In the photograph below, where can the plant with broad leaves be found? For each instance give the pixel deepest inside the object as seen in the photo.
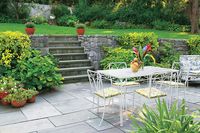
(163, 119)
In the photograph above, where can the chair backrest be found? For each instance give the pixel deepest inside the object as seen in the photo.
(96, 83)
(189, 63)
(95, 80)
(117, 65)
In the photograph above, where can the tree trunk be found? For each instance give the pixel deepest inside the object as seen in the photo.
(194, 15)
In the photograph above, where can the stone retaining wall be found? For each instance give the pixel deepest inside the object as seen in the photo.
(93, 45)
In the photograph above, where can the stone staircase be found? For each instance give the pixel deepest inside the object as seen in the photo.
(73, 62)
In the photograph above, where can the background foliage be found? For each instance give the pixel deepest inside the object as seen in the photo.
(194, 45)
(138, 39)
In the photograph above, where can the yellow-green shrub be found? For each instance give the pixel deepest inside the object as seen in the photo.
(194, 45)
(138, 39)
(117, 55)
(14, 46)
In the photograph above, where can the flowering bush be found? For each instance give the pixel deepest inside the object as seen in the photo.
(14, 46)
(138, 39)
(116, 55)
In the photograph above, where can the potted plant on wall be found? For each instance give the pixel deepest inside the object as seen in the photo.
(80, 29)
(30, 28)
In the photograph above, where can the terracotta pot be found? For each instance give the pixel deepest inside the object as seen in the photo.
(18, 104)
(5, 103)
(32, 100)
(30, 31)
(3, 94)
(80, 31)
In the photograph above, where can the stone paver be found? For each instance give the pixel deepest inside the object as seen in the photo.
(57, 96)
(5, 109)
(12, 117)
(77, 128)
(28, 126)
(112, 130)
(95, 124)
(73, 105)
(70, 110)
(72, 118)
(40, 109)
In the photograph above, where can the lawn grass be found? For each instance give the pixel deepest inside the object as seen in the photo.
(52, 29)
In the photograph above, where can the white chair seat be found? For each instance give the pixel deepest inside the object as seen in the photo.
(171, 83)
(150, 92)
(107, 92)
(129, 83)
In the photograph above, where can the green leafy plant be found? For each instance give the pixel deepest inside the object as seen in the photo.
(30, 93)
(165, 120)
(166, 55)
(138, 39)
(80, 26)
(60, 10)
(19, 95)
(30, 25)
(101, 24)
(116, 55)
(67, 20)
(38, 72)
(8, 98)
(194, 45)
(38, 19)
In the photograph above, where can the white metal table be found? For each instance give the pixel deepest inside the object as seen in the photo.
(127, 73)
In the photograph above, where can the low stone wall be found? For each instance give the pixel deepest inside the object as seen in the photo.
(39, 42)
(179, 44)
(93, 45)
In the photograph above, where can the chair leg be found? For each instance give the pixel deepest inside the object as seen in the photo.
(98, 104)
(133, 101)
(104, 109)
(121, 110)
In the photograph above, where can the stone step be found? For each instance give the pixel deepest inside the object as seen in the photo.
(63, 44)
(59, 50)
(74, 79)
(74, 63)
(62, 38)
(71, 56)
(74, 71)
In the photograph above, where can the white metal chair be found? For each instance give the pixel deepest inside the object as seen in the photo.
(151, 92)
(98, 90)
(125, 83)
(173, 81)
